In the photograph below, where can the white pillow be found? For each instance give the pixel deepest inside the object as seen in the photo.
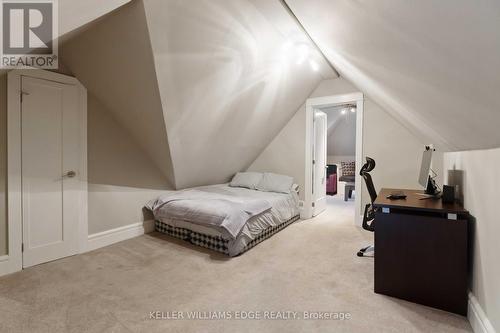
(272, 182)
(246, 179)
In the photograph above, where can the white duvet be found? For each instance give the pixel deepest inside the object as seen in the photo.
(283, 208)
(208, 208)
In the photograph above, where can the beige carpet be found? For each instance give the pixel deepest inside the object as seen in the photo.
(310, 266)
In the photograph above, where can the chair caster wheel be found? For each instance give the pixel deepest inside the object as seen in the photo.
(361, 254)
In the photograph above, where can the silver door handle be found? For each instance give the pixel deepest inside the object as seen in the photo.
(70, 174)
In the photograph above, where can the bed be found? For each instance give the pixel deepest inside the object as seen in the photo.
(255, 216)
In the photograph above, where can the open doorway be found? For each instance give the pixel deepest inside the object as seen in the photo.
(341, 154)
(334, 136)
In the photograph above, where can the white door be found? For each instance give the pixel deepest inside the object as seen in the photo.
(319, 169)
(50, 175)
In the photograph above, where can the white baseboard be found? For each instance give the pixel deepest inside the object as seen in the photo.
(8, 265)
(105, 238)
(305, 213)
(4, 265)
(477, 318)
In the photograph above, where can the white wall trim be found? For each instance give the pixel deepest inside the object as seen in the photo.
(6, 266)
(108, 237)
(14, 218)
(477, 317)
(14, 261)
(83, 229)
(329, 101)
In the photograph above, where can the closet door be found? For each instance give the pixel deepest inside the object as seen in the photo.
(50, 200)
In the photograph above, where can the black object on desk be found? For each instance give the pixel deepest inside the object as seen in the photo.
(448, 194)
(398, 195)
(421, 251)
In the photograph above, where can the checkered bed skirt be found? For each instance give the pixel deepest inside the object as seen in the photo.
(217, 243)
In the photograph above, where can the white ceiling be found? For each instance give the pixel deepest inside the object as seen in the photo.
(75, 13)
(434, 65)
(229, 81)
(335, 116)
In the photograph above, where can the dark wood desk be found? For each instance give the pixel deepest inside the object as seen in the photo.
(421, 251)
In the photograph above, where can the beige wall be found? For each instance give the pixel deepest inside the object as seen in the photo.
(396, 151)
(479, 184)
(114, 157)
(128, 152)
(3, 163)
(122, 177)
(117, 206)
(286, 153)
(82, 13)
(114, 61)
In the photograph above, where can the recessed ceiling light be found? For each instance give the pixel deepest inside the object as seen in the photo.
(343, 111)
(353, 110)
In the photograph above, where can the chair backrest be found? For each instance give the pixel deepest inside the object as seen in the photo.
(365, 173)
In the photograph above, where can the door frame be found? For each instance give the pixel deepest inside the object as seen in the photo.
(314, 200)
(329, 101)
(14, 261)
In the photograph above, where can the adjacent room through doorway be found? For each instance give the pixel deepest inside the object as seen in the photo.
(335, 155)
(341, 154)
(334, 135)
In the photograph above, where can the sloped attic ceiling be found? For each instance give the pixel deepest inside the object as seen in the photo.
(113, 59)
(230, 77)
(341, 132)
(334, 116)
(75, 13)
(435, 65)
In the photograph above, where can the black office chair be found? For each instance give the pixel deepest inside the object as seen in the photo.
(369, 214)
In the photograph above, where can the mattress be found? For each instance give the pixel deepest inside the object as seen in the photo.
(232, 248)
(284, 211)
